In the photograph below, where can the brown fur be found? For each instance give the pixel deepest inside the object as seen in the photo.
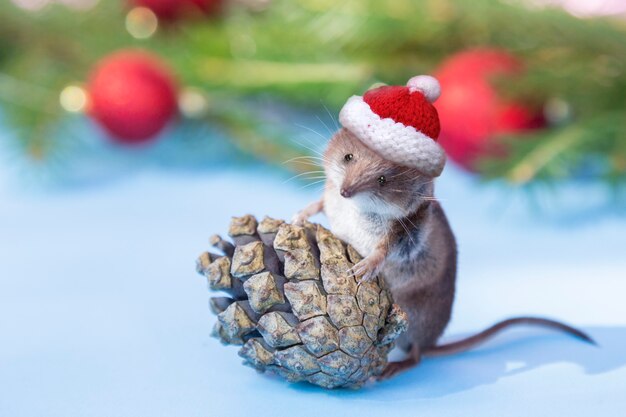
(424, 284)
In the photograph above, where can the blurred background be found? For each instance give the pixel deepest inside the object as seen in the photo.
(534, 91)
(131, 130)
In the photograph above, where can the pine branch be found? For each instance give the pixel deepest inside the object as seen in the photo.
(595, 148)
(253, 136)
(306, 51)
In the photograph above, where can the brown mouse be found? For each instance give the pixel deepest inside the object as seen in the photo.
(385, 208)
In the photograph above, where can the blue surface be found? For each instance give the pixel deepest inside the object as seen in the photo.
(102, 313)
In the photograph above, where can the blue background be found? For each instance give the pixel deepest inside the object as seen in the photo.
(102, 313)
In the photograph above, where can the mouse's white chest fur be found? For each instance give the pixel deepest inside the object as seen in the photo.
(349, 222)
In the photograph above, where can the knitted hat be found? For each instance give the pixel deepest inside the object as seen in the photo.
(399, 123)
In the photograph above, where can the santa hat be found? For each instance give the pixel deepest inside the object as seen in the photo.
(399, 123)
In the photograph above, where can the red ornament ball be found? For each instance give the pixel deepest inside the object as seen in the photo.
(471, 111)
(170, 10)
(132, 95)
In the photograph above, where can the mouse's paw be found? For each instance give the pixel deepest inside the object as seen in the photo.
(299, 218)
(392, 369)
(368, 268)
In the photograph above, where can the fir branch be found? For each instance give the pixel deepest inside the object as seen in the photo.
(304, 51)
(595, 148)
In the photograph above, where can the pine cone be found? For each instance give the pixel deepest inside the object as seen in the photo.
(295, 308)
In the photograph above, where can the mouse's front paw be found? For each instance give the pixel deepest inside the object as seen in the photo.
(368, 268)
(299, 218)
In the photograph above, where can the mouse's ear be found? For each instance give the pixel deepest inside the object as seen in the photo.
(427, 85)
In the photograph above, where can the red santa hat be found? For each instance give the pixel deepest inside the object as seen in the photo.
(399, 123)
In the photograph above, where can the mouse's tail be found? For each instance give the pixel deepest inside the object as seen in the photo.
(477, 339)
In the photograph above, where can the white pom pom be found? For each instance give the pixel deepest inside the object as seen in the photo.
(426, 84)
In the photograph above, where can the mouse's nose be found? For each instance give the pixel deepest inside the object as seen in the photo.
(345, 192)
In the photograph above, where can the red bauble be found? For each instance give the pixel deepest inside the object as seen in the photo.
(471, 111)
(132, 95)
(171, 10)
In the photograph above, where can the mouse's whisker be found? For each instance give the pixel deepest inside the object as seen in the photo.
(309, 149)
(400, 219)
(314, 179)
(427, 197)
(319, 189)
(401, 210)
(303, 174)
(309, 163)
(311, 146)
(401, 173)
(425, 182)
(306, 158)
(318, 171)
(408, 233)
(313, 183)
(337, 127)
(411, 222)
(313, 131)
(330, 132)
(423, 196)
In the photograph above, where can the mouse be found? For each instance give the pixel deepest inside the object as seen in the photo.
(380, 168)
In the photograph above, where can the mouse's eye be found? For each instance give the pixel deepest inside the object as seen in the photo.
(382, 180)
(348, 157)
